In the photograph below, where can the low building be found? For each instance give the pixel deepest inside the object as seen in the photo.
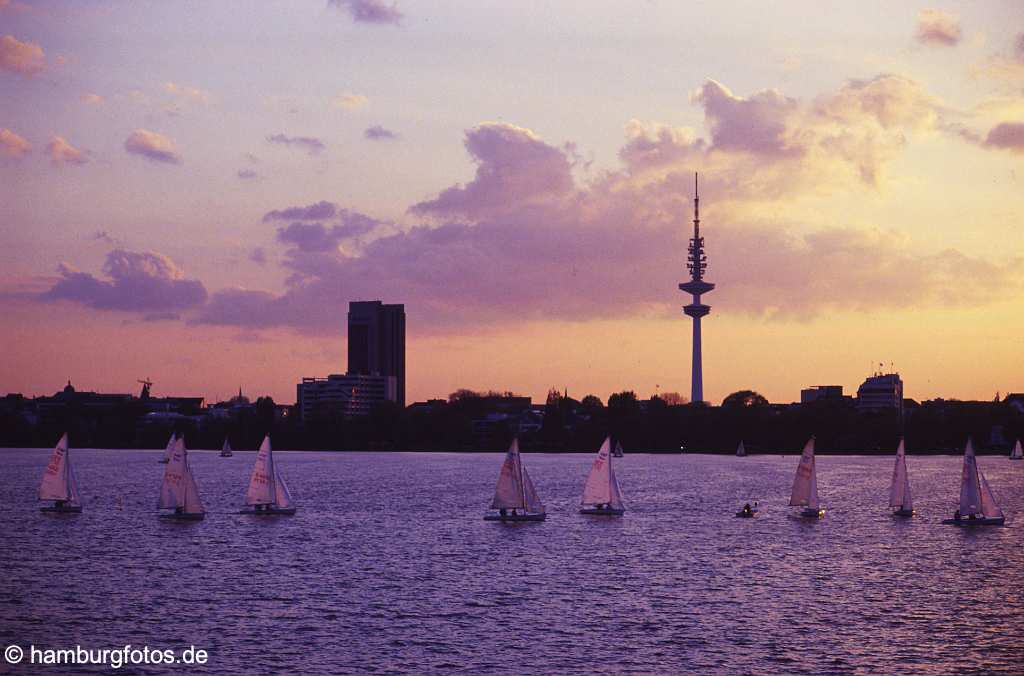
(822, 393)
(347, 395)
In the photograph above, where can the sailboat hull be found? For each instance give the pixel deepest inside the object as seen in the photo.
(510, 518)
(185, 516)
(226, 455)
(273, 511)
(903, 512)
(970, 523)
(163, 461)
(808, 513)
(594, 511)
(63, 509)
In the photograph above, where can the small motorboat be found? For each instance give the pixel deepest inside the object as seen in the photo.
(748, 512)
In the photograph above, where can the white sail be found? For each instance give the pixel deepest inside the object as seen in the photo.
(1018, 452)
(597, 490)
(989, 508)
(226, 448)
(531, 501)
(508, 494)
(262, 489)
(192, 504)
(58, 477)
(899, 492)
(970, 486)
(618, 452)
(172, 490)
(740, 451)
(805, 484)
(282, 496)
(616, 499)
(170, 446)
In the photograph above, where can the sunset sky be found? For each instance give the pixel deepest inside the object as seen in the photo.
(193, 192)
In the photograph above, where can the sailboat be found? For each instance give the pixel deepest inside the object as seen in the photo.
(179, 491)
(170, 448)
(515, 491)
(59, 482)
(601, 494)
(740, 451)
(977, 504)
(225, 451)
(268, 494)
(618, 452)
(900, 501)
(1018, 452)
(805, 485)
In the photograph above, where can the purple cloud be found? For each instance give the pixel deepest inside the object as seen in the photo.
(935, 27)
(258, 255)
(369, 11)
(320, 211)
(1007, 136)
(136, 282)
(757, 124)
(379, 133)
(313, 146)
(152, 146)
(514, 167)
(318, 237)
(247, 175)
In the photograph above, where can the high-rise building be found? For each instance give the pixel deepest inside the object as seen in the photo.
(696, 263)
(880, 392)
(376, 342)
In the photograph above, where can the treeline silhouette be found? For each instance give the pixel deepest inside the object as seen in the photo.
(474, 421)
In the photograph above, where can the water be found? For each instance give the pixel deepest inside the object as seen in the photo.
(388, 567)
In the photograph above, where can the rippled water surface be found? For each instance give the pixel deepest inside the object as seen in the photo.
(389, 567)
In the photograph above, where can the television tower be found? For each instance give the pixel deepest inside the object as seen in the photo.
(696, 263)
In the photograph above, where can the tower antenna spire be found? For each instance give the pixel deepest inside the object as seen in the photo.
(696, 263)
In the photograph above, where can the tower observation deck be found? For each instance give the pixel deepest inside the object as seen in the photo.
(696, 263)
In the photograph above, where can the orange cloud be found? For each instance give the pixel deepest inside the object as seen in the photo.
(24, 58)
(61, 152)
(13, 145)
(935, 27)
(152, 146)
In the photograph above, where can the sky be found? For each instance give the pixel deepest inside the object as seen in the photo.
(193, 192)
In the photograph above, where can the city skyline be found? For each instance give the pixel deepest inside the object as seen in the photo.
(187, 209)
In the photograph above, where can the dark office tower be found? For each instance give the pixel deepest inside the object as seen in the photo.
(376, 342)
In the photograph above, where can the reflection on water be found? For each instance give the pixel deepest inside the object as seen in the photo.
(388, 565)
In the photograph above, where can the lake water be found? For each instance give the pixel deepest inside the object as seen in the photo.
(388, 567)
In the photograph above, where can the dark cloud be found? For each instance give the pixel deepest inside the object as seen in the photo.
(758, 124)
(135, 282)
(379, 133)
(1007, 136)
(313, 146)
(258, 255)
(935, 27)
(103, 236)
(320, 211)
(369, 11)
(247, 175)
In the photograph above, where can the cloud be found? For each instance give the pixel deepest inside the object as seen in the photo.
(186, 92)
(103, 236)
(247, 175)
(379, 133)
(23, 58)
(1007, 136)
(514, 168)
(13, 145)
(92, 99)
(135, 282)
(350, 101)
(935, 27)
(312, 145)
(258, 255)
(152, 146)
(319, 237)
(320, 211)
(61, 152)
(369, 11)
